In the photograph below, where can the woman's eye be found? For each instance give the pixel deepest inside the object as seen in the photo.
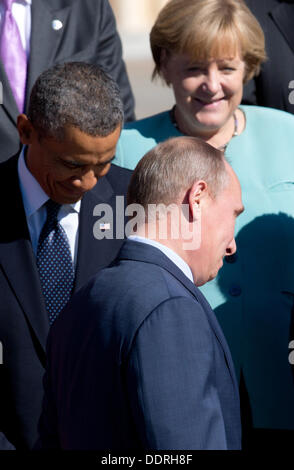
(195, 68)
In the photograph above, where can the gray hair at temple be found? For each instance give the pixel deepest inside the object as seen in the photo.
(172, 167)
(75, 94)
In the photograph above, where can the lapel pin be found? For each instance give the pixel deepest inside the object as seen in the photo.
(104, 226)
(56, 25)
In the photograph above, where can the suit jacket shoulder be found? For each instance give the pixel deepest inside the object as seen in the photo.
(119, 178)
(88, 33)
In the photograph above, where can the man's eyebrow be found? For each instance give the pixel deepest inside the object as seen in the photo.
(77, 163)
(107, 161)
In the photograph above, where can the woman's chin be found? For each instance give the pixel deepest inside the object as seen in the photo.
(208, 122)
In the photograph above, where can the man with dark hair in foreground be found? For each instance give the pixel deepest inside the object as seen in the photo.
(47, 245)
(137, 360)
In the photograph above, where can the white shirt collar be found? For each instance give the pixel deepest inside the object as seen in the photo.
(33, 194)
(172, 255)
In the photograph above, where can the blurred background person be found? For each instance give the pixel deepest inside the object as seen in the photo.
(206, 50)
(37, 34)
(274, 85)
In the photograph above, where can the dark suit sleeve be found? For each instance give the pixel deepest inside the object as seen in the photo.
(5, 444)
(109, 55)
(171, 380)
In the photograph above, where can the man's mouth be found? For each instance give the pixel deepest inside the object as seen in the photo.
(72, 191)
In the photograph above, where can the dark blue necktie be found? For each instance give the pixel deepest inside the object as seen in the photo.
(54, 263)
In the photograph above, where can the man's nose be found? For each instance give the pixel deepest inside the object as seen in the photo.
(231, 248)
(86, 181)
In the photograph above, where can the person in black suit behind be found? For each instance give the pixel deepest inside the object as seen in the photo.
(274, 86)
(69, 136)
(63, 31)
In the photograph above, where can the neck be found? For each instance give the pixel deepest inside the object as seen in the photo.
(217, 137)
(182, 242)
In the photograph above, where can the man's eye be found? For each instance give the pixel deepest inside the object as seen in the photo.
(72, 165)
(102, 165)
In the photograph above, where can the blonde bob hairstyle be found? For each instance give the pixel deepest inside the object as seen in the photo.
(205, 29)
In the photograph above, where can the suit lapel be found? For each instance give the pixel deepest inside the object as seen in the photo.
(282, 16)
(17, 258)
(146, 253)
(93, 254)
(43, 33)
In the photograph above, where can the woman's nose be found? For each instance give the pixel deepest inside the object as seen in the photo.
(211, 83)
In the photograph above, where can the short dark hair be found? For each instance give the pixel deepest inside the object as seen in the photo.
(75, 94)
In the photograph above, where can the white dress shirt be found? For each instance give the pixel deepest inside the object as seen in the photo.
(172, 255)
(34, 199)
(21, 12)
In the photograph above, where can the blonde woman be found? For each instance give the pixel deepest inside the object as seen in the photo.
(206, 50)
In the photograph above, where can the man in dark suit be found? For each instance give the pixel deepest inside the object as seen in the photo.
(63, 31)
(137, 360)
(274, 86)
(69, 136)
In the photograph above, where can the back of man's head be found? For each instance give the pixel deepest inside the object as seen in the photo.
(191, 198)
(75, 94)
(172, 167)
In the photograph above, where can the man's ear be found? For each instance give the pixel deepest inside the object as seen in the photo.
(197, 194)
(25, 129)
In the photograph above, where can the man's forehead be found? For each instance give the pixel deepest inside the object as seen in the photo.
(72, 138)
